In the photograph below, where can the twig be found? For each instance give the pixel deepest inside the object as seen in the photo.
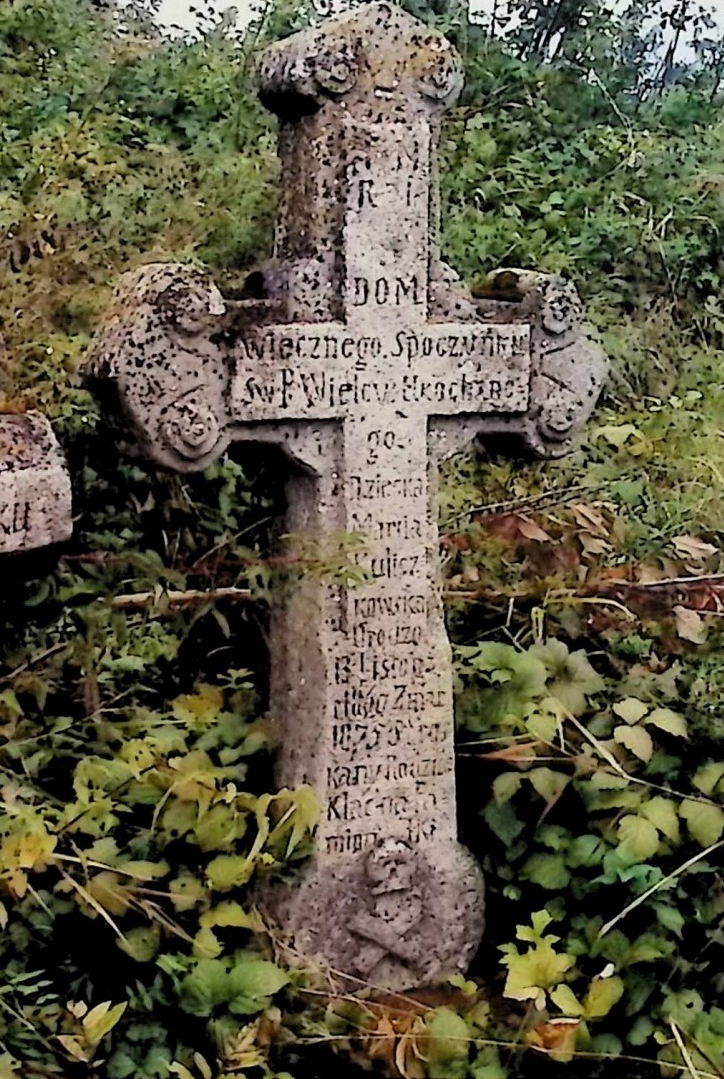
(611, 760)
(554, 498)
(659, 884)
(32, 662)
(685, 1054)
(176, 598)
(668, 582)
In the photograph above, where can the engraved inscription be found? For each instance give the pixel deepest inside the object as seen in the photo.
(14, 518)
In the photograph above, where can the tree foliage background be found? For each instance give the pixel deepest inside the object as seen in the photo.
(584, 596)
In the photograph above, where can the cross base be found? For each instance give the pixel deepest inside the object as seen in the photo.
(386, 919)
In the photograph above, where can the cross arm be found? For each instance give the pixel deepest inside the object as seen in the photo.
(162, 365)
(568, 364)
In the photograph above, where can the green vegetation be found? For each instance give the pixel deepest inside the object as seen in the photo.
(583, 596)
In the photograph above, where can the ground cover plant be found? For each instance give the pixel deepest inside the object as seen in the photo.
(583, 596)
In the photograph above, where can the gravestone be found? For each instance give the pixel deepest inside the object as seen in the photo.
(368, 362)
(35, 495)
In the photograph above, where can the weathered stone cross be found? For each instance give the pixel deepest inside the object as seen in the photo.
(368, 362)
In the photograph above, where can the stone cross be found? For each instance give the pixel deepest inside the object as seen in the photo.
(363, 356)
(35, 498)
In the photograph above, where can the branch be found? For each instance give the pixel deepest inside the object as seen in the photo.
(542, 501)
(178, 599)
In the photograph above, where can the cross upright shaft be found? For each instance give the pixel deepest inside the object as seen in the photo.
(368, 363)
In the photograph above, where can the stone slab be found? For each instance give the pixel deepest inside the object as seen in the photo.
(35, 490)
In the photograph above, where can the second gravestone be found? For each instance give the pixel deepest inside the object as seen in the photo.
(35, 493)
(369, 363)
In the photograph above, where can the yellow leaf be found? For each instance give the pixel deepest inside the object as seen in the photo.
(109, 891)
(100, 1020)
(548, 783)
(705, 822)
(181, 1070)
(666, 720)
(618, 435)
(186, 891)
(564, 998)
(531, 974)
(637, 740)
(207, 945)
(74, 1047)
(200, 708)
(231, 913)
(709, 776)
(602, 995)
(638, 835)
(203, 1067)
(631, 710)
(662, 814)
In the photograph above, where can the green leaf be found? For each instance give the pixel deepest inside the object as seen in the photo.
(505, 786)
(641, 1031)
(548, 783)
(511, 681)
(204, 987)
(669, 917)
(504, 822)
(607, 1045)
(448, 1043)
(142, 943)
(705, 822)
(638, 836)
(637, 740)
(252, 983)
(547, 870)
(571, 678)
(683, 1008)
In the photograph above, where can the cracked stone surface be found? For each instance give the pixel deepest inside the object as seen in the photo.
(365, 358)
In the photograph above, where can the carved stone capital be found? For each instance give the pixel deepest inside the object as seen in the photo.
(416, 69)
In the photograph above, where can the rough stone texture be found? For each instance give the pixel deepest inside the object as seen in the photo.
(35, 505)
(368, 362)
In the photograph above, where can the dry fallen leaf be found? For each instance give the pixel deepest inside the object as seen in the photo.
(690, 626)
(693, 548)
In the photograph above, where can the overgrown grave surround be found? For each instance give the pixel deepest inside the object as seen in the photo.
(368, 363)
